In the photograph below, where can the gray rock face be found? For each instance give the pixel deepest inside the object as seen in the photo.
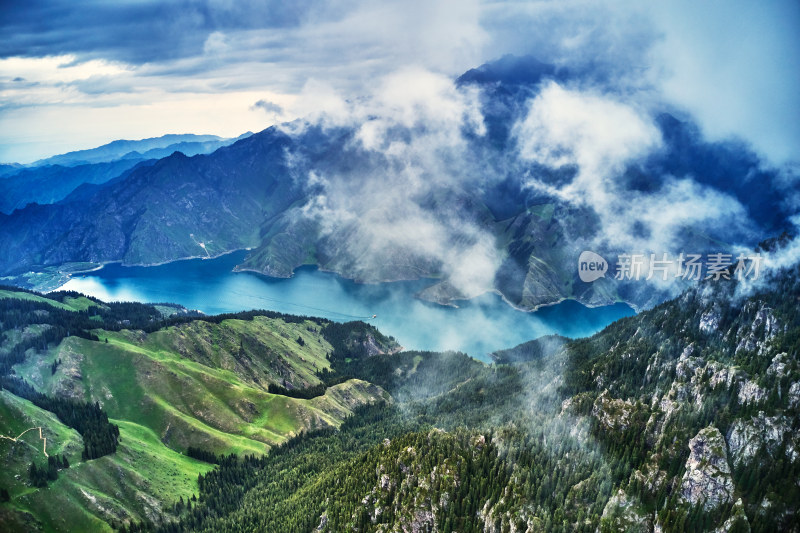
(707, 480)
(764, 316)
(745, 437)
(779, 364)
(750, 392)
(687, 365)
(709, 321)
(765, 326)
(794, 395)
(722, 375)
(621, 513)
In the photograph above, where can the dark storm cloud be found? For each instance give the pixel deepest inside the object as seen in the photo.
(133, 31)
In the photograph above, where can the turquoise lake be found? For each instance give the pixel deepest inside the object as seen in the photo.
(477, 327)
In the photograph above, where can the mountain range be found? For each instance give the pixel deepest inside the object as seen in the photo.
(681, 418)
(50, 180)
(298, 194)
(133, 417)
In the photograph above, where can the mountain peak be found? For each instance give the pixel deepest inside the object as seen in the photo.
(509, 70)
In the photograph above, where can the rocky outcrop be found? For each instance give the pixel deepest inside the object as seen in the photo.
(709, 321)
(737, 520)
(722, 375)
(779, 365)
(707, 480)
(765, 326)
(746, 437)
(612, 413)
(750, 392)
(622, 513)
(650, 476)
(687, 365)
(794, 395)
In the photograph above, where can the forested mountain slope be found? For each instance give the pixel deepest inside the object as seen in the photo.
(682, 418)
(53, 179)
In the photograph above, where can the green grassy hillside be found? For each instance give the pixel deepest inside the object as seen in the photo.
(203, 384)
(70, 303)
(199, 383)
(135, 482)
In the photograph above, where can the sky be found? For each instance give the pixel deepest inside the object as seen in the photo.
(77, 74)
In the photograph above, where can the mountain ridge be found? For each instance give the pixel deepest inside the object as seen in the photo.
(121, 148)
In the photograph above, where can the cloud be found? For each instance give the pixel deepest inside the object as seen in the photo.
(729, 63)
(607, 41)
(216, 44)
(395, 207)
(269, 107)
(775, 260)
(595, 132)
(602, 138)
(132, 31)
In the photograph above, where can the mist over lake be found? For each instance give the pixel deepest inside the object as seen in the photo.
(477, 327)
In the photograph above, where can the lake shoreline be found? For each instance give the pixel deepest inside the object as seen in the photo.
(238, 268)
(477, 326)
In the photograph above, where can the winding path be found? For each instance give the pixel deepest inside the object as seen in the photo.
(41, 437)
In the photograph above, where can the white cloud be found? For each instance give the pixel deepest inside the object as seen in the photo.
(597, 133)
(678, 205)
(216, 43)
(409, 145)
(601, 137)
(52, 69)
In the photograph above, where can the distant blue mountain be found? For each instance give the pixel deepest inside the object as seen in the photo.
(53, 179)
(154, 212)
(49, 184)
(6, 170)
(189, 144)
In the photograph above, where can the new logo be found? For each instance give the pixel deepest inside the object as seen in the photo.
(591, 266)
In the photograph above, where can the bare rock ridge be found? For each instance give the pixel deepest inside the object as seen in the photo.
(707, 480)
